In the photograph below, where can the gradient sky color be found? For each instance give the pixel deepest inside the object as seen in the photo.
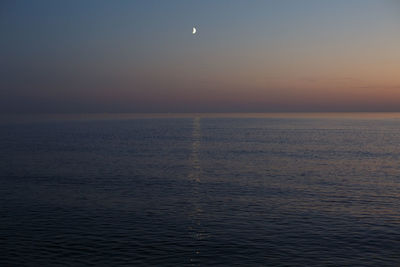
(247, 56)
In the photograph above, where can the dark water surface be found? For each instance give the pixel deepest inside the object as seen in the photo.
(200, 191)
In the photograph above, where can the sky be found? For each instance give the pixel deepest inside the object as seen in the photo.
(247, 56)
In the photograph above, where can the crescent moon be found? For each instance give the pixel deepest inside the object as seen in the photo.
(194, 30)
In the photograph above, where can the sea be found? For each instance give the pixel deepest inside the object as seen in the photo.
(200, 189)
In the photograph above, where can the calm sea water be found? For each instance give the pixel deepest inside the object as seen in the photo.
(273, 191)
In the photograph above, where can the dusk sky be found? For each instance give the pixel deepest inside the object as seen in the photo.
(247, 56)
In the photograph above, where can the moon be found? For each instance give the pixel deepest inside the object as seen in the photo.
(194, 30)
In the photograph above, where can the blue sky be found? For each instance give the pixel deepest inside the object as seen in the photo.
(140, 56)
